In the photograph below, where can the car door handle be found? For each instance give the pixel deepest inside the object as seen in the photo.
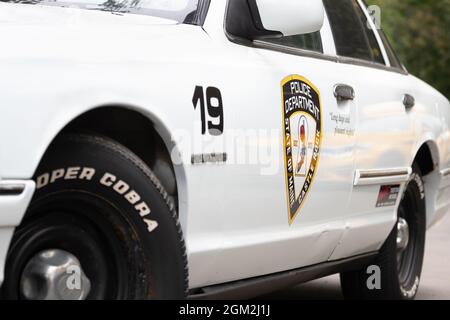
(409, 101)
(344, 92)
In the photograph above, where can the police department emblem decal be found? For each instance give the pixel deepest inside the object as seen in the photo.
(302, 132)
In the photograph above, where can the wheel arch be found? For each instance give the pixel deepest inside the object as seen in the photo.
(427, 159)
(144, 133)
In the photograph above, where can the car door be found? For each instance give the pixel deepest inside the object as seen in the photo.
(384, 133)
(317, 193)
(289, 145)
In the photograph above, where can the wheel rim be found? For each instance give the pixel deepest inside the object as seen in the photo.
(402, 235)
(54, 275)
(71, 230)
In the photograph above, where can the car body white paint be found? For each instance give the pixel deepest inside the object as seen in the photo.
(58, 64)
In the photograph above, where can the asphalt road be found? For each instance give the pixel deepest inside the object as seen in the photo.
(435, 282)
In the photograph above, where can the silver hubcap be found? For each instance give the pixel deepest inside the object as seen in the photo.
(402, 234)
(54, 275)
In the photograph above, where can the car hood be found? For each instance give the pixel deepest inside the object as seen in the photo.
(36, 33)
(41, 15)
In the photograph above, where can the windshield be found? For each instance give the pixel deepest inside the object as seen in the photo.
(183, 11)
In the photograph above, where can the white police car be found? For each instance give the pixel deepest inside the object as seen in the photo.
(211, 149)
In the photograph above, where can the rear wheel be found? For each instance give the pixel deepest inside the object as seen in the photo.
(100, 226)
(401, 257)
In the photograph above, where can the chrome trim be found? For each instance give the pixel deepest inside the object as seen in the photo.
(11, 188)
(381, 176)
(445, 172)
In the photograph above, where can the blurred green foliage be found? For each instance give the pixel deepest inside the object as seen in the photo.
(419, 30)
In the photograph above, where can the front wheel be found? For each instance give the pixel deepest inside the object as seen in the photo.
(401, 257)
(100, 226)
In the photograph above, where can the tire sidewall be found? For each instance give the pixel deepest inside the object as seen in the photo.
(417, 222)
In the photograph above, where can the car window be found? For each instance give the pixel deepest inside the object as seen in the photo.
(353, 36)
(393, 58)
(311, 41)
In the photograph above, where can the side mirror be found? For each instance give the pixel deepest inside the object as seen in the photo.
(259, 19)
(291, 17)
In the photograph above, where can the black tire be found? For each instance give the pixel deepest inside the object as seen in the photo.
(96, 217)
(400, 270)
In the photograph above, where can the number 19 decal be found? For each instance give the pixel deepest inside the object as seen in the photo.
(214, 107)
